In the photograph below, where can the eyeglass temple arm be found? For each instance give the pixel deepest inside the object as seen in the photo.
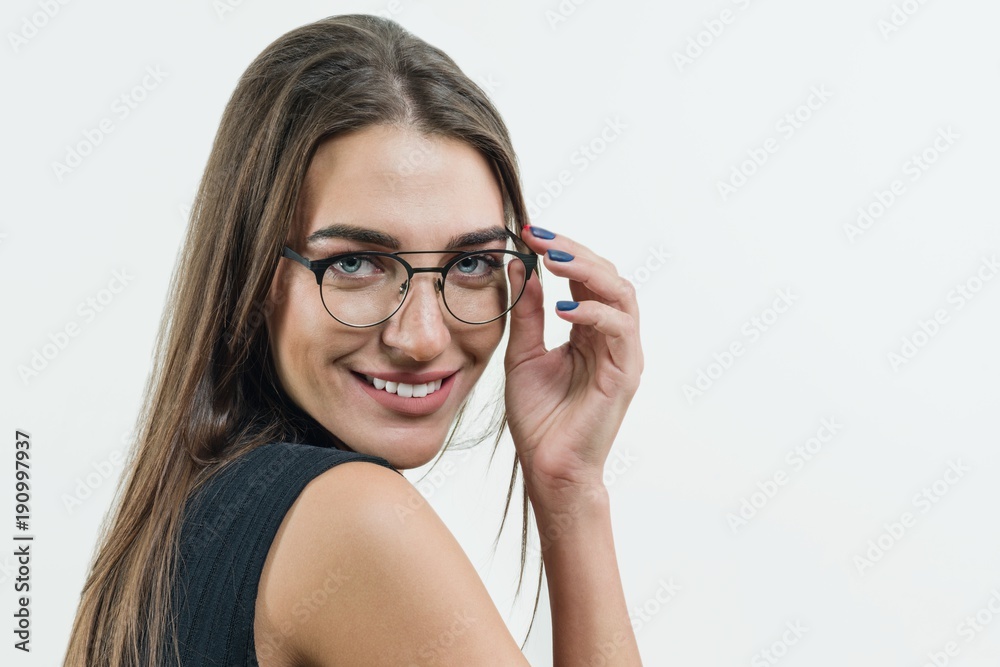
(291, 254)
(533, 265)
(514, 236)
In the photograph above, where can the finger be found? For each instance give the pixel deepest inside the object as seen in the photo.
(621, 335)
(561, 242)
(602, 282)
(527, 319)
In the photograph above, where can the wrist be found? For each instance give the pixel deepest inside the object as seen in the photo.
(556, 479)
(569, 519)
(566, 497)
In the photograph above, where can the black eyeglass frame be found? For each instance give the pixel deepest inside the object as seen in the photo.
(319, 267)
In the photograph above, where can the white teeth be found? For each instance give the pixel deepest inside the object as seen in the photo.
(403, 389)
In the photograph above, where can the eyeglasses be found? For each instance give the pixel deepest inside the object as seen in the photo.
(365, 288)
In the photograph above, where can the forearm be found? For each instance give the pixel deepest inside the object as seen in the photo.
(590, 622)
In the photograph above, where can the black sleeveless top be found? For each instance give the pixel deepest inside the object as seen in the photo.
(228, 528)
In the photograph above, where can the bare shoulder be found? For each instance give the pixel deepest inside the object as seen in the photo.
(362, 571)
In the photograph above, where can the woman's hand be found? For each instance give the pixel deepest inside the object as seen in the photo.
(565, 406)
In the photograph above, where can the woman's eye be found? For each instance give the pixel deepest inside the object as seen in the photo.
(351, 264)
(478, 264)
(355, 265)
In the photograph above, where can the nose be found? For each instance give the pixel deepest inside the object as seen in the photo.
(418, 329)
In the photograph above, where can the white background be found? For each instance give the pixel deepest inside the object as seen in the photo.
(683, 462)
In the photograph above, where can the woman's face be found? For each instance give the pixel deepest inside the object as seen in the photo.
(418, 192)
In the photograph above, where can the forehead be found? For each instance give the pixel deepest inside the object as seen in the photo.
(421, 190)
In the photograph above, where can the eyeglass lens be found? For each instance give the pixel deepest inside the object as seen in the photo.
(362, 290)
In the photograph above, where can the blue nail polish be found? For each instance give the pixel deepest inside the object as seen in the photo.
(559, 255)
(566, 305)
(540, 233)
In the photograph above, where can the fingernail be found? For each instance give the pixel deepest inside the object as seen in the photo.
(566, 305)
(540, 233)
(559, 255)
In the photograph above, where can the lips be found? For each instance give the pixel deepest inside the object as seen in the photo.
(407, 398)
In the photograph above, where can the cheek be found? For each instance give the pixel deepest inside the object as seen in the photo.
(297, 329)
(485, 339)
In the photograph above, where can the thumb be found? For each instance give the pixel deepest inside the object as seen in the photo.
(527, 318)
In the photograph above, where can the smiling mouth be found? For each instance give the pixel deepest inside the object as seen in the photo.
(403, 389)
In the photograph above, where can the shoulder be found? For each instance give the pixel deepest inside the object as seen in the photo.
(228, 525)
(363, 571)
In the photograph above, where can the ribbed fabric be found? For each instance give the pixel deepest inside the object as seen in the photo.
(228, 529)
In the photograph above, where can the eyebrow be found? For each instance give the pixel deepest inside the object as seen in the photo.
(375, 237)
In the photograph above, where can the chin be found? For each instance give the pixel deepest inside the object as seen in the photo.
(409, 459)
(402, 452)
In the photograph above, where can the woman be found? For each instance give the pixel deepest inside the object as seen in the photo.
(358, 242)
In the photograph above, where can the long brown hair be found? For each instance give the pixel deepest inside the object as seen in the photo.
(212, 394)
